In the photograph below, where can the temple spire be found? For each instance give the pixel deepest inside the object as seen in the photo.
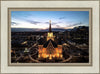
(50, 26)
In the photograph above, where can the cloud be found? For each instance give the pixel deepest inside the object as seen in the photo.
(14, 23)
(62, 18)
(33, 22)
(58, 26)
(53, 23)
(59, 22)
(75, 24)
(46, 22)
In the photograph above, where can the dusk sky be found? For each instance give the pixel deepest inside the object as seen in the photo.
(40, 19)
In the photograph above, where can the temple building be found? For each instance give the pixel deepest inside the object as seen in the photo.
(50, 49)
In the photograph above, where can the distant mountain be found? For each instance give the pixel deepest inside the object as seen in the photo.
(45, 30)
(23, 29)
(33, 30)
(54, 29)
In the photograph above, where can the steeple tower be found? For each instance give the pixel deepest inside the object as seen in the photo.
(50, 26)
(50, 33)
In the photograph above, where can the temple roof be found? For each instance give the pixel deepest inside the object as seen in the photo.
(53, 43)
(41, 41)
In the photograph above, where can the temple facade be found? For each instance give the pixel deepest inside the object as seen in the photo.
(50, 49)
